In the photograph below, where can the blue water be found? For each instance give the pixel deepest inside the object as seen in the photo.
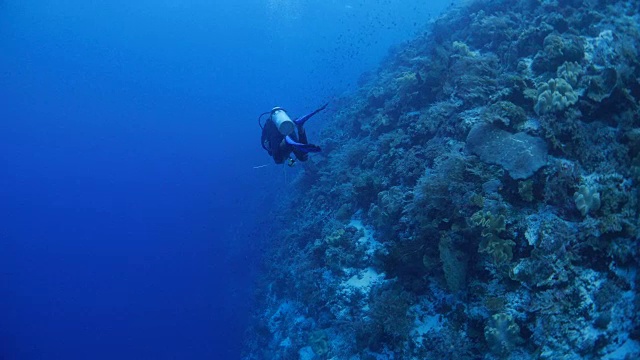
(131, 215)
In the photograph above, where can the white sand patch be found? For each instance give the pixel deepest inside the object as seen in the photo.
(629, 350)
(364, 280)
(426, 321)
(367, 241)
(426, 324)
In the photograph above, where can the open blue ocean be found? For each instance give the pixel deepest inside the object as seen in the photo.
(134, 207)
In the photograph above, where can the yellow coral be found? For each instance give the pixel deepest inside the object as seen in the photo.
(571, 72)
(501, 250)
(555, 95)
(406, 78)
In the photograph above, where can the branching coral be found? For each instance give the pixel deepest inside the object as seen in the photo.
(472, 77)
(389, 307)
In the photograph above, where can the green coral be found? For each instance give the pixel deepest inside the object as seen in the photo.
(491, 224)
(500, 250)
(555, 95)
(570, 71)
(319, 342)
(335, 238)
(461, 49)
(406, 78)
(502, 334)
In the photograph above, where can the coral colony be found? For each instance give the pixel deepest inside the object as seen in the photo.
(477, 198)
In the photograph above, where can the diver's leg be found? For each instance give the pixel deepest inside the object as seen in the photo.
(301, 120)
(302, 135)
(300, 155)
(302, 147)
(281, 152)
(298, 142)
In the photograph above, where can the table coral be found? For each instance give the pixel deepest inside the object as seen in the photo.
(520, 154)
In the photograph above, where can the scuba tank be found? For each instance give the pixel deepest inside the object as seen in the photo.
(283, 122)
(280, 119)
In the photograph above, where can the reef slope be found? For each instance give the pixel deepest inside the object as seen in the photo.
(476, 198)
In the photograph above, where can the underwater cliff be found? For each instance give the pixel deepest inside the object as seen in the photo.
(476, 198)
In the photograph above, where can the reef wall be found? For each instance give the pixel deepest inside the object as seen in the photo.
(476, 198)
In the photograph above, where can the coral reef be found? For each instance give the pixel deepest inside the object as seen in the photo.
(478, 200)
(520, 154)
(558, 49)
(502, 334)
(587, 200)
(555, 95)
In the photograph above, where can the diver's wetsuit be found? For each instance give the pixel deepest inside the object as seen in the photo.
(274, 142)
(280, 146)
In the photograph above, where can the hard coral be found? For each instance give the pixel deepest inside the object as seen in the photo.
(558, 49)
(520, 154)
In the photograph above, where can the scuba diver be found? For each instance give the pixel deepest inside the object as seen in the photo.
(280, 138)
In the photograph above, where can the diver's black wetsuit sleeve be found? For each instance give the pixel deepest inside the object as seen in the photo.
(281, 152)
(274, 143)
(301, 138)
(302, 135)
